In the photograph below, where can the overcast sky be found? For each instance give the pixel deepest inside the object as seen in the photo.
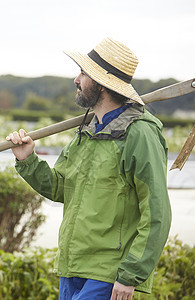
(34, 33)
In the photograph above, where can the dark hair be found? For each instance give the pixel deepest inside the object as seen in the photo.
(117, 98)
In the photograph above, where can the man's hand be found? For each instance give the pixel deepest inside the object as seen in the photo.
(122, 292)
(26, 144)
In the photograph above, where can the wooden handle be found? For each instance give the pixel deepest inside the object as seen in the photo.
(171, 91)
(49, 130)
(168, 92)
(185, 151)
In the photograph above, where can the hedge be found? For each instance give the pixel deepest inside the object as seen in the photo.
(28, 275)
(34, 116)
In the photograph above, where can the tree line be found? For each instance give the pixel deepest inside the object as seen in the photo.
(56, 94)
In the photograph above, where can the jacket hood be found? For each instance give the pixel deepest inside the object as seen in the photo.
(117, 127)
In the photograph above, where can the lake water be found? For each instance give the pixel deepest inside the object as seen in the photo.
(181, 185)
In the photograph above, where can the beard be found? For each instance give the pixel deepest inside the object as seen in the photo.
(89, 97)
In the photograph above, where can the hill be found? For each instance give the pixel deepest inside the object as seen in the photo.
(58, 93)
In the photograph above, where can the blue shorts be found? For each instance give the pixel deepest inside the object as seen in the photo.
(75, 288)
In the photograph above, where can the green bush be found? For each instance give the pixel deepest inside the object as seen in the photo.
(174, 276)
(34, 116)
(20, 211)
(170, 122)
(176, 137)
(29, 275)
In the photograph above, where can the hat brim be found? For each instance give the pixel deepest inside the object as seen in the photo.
(101, 76)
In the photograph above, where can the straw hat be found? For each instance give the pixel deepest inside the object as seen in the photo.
(110, 64)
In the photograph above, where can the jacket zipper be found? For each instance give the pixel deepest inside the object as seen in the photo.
(120, 245)
(120, 235)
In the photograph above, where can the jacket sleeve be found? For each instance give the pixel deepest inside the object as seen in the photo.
(47, 181)
(145, 162)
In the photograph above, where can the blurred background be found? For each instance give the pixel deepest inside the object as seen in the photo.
(37, 89)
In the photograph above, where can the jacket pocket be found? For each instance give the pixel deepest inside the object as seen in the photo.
(98, 225)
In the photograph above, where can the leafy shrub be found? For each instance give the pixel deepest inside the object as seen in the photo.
(170, 122)
(20, 214)
(174, 275)
(28, 275)
(34, 116)
(176, 137)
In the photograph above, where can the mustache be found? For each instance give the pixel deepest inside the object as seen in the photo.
(78, 86)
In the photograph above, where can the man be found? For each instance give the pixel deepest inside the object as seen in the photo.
(112, 181)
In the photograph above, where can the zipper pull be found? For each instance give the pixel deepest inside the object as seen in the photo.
(118, 248)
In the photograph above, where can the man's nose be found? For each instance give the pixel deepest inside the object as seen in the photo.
(77, 80)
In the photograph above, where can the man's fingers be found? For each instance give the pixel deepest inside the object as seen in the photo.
(22, 133)
(130, 296)
(123, 296)
(18, 137)
(120, 296)
(26, 144)
(113, 296)
(122, 292)
(14, 137)
(27, 140)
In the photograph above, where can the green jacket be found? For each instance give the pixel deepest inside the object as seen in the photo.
(117, 213)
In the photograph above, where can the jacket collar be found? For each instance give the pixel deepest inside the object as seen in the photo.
(117, 127)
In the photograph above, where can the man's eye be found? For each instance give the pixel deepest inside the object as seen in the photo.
(82, 72)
